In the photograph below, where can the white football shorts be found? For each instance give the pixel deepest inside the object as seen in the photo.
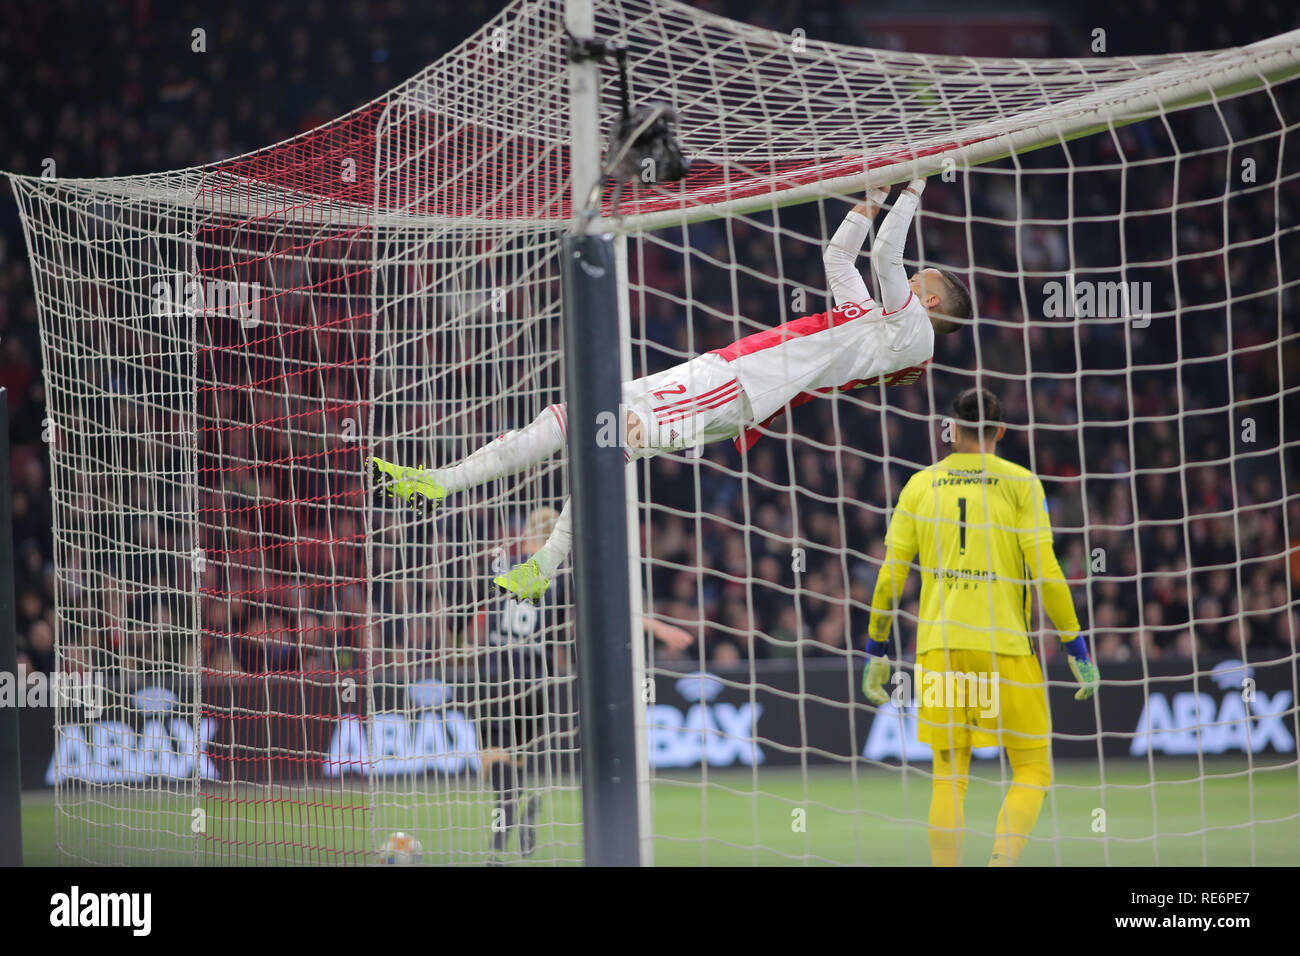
(691, 404)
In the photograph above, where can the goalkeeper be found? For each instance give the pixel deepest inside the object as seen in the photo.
(981, 528)
(731, 393)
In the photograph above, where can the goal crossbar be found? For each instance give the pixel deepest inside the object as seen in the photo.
(1226, 73)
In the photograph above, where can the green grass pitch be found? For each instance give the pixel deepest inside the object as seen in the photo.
(1217, 813)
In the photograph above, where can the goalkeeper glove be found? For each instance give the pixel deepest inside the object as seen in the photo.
(1085, 671)
(876, 674)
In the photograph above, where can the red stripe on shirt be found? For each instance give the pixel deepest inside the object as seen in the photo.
(901, 307)
(795, 329)
(903, 376)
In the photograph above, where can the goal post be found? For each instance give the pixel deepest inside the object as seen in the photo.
(603, 623)
(298, 669)
(594, 316)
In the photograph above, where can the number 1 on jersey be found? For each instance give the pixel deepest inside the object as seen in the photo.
(961, 507)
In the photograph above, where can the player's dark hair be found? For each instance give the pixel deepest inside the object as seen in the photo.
(956, 302)
(975, 406)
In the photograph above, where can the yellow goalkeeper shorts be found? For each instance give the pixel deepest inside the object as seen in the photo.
(977, 699)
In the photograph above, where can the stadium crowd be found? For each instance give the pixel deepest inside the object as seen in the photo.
(779, 563)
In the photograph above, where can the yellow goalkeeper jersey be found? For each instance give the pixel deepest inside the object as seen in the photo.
(979, 531)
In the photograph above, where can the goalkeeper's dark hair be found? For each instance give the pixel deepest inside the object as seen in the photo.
(978, 407)
(956, 303)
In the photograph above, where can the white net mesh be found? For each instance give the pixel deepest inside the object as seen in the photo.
(1158, 426)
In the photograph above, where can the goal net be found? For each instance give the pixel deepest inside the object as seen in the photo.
(295, 668)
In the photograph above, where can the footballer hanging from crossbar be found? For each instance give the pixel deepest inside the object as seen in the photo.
(734, 392)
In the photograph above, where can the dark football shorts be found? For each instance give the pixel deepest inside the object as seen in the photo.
(508, 697)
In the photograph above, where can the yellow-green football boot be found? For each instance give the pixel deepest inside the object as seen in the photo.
(415, 486)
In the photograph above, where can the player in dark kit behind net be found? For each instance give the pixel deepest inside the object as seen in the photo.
(513, 686)
(510, 690)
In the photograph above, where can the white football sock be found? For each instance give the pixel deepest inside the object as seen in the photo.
(514, 451)
(557, 547)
